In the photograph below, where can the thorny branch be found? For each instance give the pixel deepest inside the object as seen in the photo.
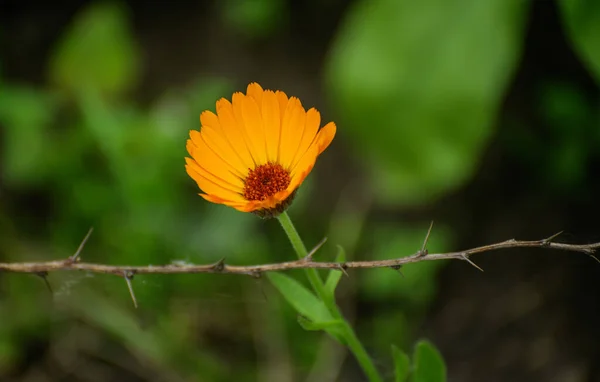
(128, 271)
(43, 268)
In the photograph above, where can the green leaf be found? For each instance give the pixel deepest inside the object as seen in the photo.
(303, 300)
(428, 365)
(417, 85)
(582, 21)
(26, 116)
(333, 278)
(326, 325)
(401, 364)
(255, 18)
(98, 52)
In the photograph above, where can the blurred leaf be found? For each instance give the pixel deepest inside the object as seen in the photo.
(26, 115)
(107, 125)
(571, 139)
(97, 51)
(582, 21)
(303, 300)
(7, 355)
(429, 365)
(155, 345)
(401, 364)
(255, 18)
(565, 109)
(177, 111)
(396, 326)
(333, 278)
(326, 325)
(417, 85)
(312, 310)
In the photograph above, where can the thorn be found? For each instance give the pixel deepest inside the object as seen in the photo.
(397, 269)
(342, 267)
(309, 257)
(466, 258)
(219, 266)
(255, 274)
(593, 257)
(423, 251)
(44, 276)
(261, 288)
(128, 275)
(75, 257)
(547, 241)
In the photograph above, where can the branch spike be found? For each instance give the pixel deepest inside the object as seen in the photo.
(219, 266)
(44, 276)
(550, 239)
(398, 268)
(423, 251)
(466, 258)
(342, 267)
(255, 274)
(75, 257)
(128, 276)
(309, 257)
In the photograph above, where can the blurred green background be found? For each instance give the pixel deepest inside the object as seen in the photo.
(480, 115)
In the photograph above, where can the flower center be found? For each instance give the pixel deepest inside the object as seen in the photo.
(266, 180)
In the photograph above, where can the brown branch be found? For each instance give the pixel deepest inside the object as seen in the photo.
(73, 263)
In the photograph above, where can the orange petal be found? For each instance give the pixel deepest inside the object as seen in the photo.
(299, 178)
(233, 132)
(272, 124)
(282, 98)
(217, 199)
(313, 121)
(325, 136)
(209, 160)
(254, 126)
(213, 135)
(247, 131)
(292, 126)
(255, 91)
(212, 186)
(305, 163)
(189, 162)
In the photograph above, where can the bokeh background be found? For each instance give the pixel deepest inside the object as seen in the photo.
(480, 115)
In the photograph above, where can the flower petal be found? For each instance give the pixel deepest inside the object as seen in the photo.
(210, 161)
(282, 98)
(292, 125)
(255, 91)
(325, 136)
(233, 132)
(272, 124)
(250, 133)
(311, 126)
(189, 162)
(213, 136)
(210, 185)
(306, 163)
(254, 126)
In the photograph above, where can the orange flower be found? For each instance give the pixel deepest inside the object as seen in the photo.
(256, 151)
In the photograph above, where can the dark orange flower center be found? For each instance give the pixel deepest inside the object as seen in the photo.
(266, 180)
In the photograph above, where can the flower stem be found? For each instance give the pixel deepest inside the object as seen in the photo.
(316, 282)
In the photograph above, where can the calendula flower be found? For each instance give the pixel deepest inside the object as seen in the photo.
(256, 151)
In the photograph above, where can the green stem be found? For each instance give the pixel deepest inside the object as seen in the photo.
(317, 283)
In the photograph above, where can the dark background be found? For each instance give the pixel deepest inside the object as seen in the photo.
(490, 109)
